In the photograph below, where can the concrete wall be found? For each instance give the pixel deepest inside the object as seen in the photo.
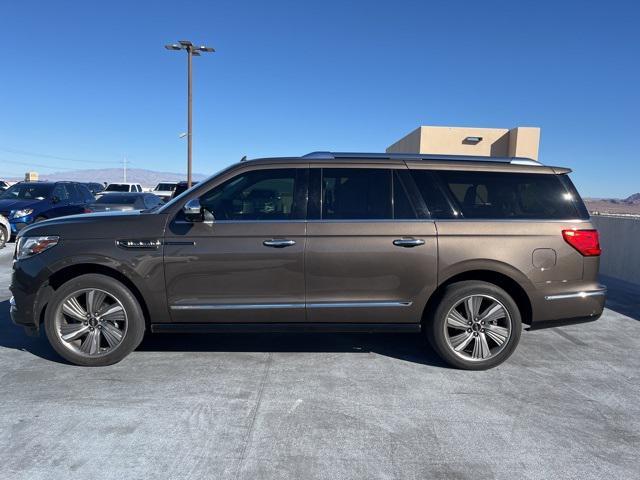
(524, 142)
(497, 142)
(620, 241)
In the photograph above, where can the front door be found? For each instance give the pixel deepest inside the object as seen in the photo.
(247, 263)
(371, 255)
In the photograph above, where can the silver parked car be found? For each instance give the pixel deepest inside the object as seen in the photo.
(5, 230)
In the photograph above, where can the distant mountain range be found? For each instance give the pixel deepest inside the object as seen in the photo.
(146, 178)
(627, 206)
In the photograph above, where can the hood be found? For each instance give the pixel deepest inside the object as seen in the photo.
(110, 207)
(103, 225)
(6, 205)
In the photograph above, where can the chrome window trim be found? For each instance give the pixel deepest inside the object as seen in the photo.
(570, 295)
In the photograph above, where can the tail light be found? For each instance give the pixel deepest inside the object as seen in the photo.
(87, 210)
(586, 242)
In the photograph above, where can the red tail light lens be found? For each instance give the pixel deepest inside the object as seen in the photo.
(87, 210)
(586, 242)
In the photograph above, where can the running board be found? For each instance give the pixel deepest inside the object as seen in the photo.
(284, 327)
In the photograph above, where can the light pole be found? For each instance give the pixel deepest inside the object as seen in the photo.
(191, 51)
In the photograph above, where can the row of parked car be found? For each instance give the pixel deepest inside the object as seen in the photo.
(25, 203)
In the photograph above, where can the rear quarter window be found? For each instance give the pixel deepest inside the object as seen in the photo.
(503, 195)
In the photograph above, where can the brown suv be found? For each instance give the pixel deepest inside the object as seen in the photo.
(462, 248)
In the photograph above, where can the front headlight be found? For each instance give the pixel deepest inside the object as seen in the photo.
(30, 246)
(22, 213)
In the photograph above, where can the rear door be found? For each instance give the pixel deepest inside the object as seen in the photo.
(62, 201)
(371, 256)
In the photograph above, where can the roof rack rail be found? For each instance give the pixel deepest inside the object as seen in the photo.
(321, 155)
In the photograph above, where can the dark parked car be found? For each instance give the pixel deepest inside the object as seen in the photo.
(181, 187)
(95, 187)
(3, 185)
(465, 249)
(123, 202)
(28, 202)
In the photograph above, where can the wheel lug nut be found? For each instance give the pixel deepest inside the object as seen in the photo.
(482, 322)
(468, 323)
(469, 330)
(482, 330)
(91, 328)
(475, 334)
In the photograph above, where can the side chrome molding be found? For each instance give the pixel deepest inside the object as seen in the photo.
(261, 306)
(565, 296)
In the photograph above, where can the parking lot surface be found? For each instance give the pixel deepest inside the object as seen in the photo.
(323, 406)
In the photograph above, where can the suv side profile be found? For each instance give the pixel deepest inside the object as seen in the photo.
(465, 249)
(26, 203)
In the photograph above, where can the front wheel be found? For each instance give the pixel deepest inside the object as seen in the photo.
(475, 326)
(4, 236)
(94, 320)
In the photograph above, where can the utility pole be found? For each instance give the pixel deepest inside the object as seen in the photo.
(192, 50)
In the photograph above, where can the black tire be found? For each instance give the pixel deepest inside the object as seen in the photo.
(134, 319)
(439, 331)
(4, 236)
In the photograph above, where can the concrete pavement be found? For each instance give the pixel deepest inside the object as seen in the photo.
(322, 406)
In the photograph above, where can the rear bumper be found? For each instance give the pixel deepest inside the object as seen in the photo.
(586, 302)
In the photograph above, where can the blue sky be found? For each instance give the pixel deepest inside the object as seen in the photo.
(90, 82)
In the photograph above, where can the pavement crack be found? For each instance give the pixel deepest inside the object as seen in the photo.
(253, 415)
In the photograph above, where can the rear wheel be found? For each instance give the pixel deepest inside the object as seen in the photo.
(475, 326)
(94, 320)
(4, 236)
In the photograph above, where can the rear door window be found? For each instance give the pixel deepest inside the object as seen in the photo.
(356, 194)
(503, 195)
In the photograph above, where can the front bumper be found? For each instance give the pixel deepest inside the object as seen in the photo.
(31, 292)
(18, 224)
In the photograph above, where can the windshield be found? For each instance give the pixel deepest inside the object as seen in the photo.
(117, 199)
(167, 187)
(27, 191)
(117, 187)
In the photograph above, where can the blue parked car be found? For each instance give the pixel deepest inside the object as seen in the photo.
(28, 202)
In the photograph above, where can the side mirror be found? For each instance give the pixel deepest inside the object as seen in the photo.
(193, 211)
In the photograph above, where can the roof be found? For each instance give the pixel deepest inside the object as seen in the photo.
(418, 156)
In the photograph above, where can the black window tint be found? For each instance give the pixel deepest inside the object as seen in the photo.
(577, 200)
(61, 192)
(497, 195)
(85, 194)
(402, 207)
(255, 195)
(356, 193)
(432, 194)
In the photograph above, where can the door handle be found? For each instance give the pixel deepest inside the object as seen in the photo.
(278, 243)
(408, 242)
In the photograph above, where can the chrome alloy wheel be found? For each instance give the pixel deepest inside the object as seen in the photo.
(477, 327)
(91, 322)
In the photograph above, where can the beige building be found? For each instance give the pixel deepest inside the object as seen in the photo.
(31, 177)
(496, 142)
